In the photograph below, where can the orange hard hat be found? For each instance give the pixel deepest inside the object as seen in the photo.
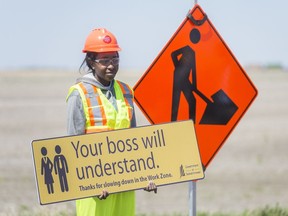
(101, 40)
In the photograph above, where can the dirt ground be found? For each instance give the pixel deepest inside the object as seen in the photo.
(249, 171)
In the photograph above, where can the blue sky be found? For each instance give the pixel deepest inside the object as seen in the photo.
(52, 33)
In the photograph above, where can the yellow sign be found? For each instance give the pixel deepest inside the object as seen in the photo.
(75, 167)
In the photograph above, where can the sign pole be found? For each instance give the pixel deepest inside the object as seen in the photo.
(192, 185)
(192, 198)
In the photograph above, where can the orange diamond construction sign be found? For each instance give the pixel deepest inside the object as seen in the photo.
(196, 76)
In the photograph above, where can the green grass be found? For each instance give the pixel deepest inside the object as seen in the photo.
(26, 211)
(265, 211)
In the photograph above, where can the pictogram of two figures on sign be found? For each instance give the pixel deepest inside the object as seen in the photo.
(59, 166)
(219, 110)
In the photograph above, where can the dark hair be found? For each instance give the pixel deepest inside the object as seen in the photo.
(90, 56)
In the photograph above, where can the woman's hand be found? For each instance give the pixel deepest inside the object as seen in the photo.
(151, 187)
(104, 194)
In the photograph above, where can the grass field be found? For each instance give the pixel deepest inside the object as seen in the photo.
(249, 172)
(265, 211)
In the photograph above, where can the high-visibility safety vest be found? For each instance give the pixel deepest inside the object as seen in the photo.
(101, 115)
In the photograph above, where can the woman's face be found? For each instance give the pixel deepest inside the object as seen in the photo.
(106, 67)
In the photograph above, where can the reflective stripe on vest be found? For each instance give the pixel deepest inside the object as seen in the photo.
(100, 114)
(128, 96)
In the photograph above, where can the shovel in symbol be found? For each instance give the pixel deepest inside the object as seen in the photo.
(218, 111)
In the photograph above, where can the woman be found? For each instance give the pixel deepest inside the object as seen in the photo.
(98, 102)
